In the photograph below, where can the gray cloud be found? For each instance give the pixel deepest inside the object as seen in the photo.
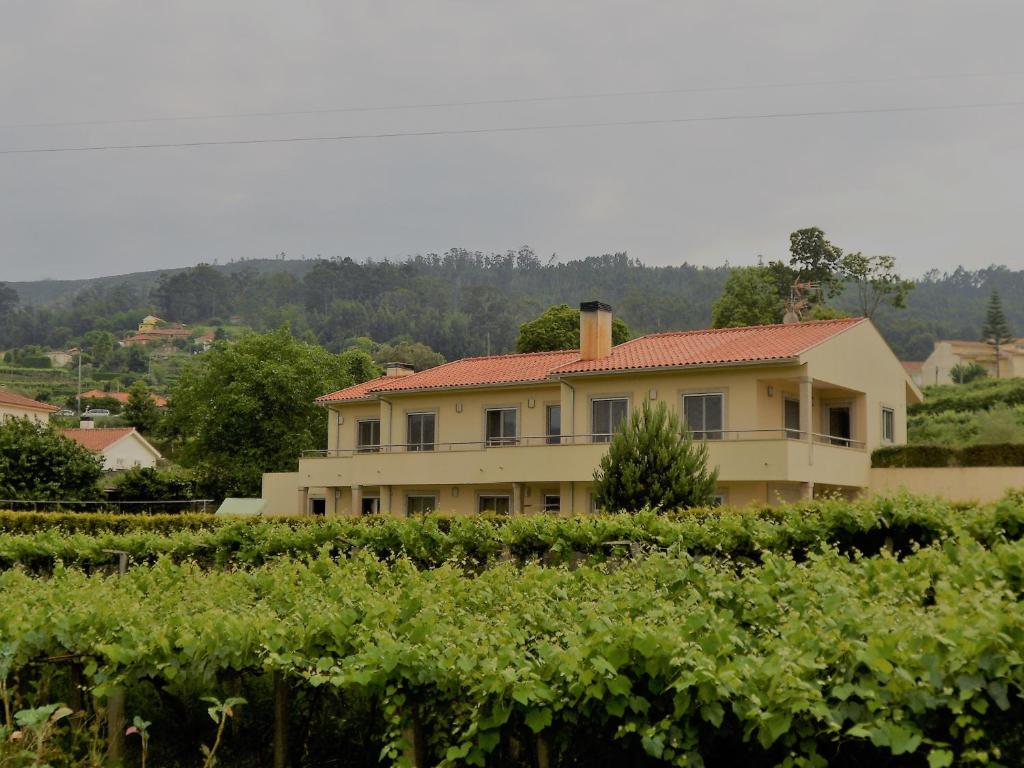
(934, 189)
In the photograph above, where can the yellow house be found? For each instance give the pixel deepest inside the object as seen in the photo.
(787, 411)
(14, 406)
(946, 355)
(149, 322)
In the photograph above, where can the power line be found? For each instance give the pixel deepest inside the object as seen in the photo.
(516, 100)
(515, 129)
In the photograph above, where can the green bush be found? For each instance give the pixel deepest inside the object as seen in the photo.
(986, 455)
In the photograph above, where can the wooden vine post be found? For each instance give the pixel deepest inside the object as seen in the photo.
(116, 718)
(412, 734)
(280, 721)
(543, 752)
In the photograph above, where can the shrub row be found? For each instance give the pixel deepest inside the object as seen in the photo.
(898, 524)
(998, 455)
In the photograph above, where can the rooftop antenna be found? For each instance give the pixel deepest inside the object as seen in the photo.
(799, 300)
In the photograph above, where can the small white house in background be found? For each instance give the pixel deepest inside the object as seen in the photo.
(13, 406)
(120, 447)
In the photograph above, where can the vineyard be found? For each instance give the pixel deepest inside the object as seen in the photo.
(835, 633)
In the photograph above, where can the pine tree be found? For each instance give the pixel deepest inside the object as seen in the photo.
(996, 331)
(653, 462)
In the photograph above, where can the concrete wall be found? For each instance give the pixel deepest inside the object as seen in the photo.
(980, 484)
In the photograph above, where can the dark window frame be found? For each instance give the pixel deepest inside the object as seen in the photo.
(703, 432)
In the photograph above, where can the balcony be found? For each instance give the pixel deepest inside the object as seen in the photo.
(773, 455)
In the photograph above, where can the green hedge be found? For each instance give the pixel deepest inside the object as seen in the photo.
(999, 455)
(899, 525)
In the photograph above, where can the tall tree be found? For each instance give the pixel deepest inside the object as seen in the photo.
(654, 463)
(559, 328)
(815, 259)
(996, 331)
(876, 282)
(244, 409)
(38, 462)
(140, 411)
(750, 297)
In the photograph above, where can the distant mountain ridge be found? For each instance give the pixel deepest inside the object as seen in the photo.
(39, 293)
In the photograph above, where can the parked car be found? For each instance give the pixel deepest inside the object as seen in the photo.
(66, 412)
(96, 412)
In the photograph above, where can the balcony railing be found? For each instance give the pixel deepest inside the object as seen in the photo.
(709, 436)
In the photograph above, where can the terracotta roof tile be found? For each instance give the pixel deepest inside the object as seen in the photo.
(355, 392)
(468, 372)
(20, 401)
(719, 346)
(121, 397)
(98, 438)
(658, 350)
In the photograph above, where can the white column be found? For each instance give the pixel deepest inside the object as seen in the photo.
(517, 498)
(357, 500)
(303, 501)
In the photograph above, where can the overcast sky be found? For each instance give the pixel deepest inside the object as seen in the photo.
(935, 189)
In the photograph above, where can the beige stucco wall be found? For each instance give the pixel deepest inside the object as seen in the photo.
(947, 354)
(981, 484)
(15, 412)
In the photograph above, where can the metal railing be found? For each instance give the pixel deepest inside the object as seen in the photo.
(710, 436)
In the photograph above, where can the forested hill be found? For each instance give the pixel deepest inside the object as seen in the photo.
(460, 303)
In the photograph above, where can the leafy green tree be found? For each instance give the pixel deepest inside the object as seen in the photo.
(965, 373)
(241, 410)
(996, 331)
(100, 346)
(876, 282)
(140, 411)
(653, 462)
(413, 353)
(559, 328)
(148, 484)
(750, 297)
(37, 462)
(815, 259)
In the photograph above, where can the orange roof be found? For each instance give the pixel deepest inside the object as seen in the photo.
(762, 343)
(121, 397)
(468, 372)
(912, 365)
(718, 346)
(98, 438)
(20, 401)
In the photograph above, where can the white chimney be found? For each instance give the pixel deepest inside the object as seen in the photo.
(86, 423)
(398, 369)
(595, 330)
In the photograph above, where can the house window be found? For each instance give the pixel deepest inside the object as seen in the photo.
(704, 415)
(421, 431)
(888, 425)
(420, 504)
(553, 424)
(495, 504)
(370, 505)
(792, 417)
(608, 414)
(501, 426)
(552, 502)
(718, 500)
(318, 506)
(368, 435)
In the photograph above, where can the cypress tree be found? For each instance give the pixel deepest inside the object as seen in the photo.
(653, 462)
(996, 331)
